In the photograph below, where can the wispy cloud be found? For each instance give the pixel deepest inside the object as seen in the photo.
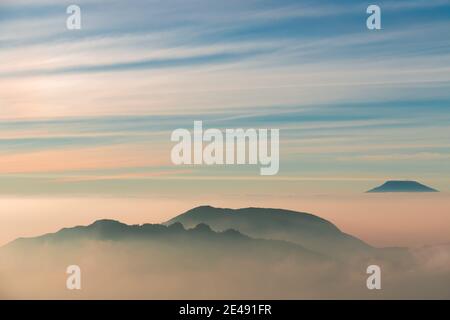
(421, 156)
(348, 100)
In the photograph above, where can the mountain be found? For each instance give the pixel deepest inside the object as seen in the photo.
(196, 261)
(200, 237)
(402, 186)
(307, 230)
(152, 261)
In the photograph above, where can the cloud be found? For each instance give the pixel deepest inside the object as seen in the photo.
(134, 73)
(422, 156)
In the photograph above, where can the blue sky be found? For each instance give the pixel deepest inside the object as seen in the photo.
(352, 104)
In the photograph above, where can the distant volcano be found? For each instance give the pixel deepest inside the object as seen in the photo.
(402, 186)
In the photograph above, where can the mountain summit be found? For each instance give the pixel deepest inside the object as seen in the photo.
(402, 186)
(307, 230)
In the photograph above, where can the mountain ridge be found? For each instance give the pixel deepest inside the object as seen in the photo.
(101, 230)
(305, 229)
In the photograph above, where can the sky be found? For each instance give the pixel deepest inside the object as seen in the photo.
(88, 113)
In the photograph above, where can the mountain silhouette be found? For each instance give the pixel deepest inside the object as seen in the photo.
(198, 238)
(307, 230)
(402, 186)
(204, 253)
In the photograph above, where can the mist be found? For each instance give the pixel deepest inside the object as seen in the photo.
(201, 270)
